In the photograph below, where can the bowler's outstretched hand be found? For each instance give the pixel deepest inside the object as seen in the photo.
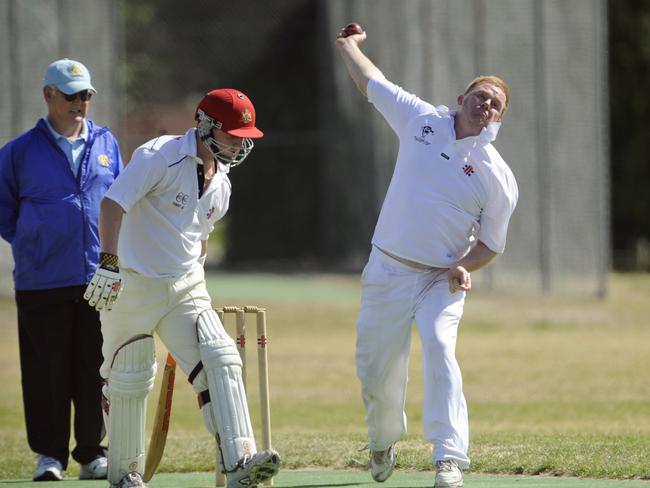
(354, 31)
(106, 284)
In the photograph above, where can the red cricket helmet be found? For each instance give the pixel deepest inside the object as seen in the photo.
(232, 112)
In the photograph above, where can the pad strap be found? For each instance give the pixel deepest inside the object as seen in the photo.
(197, 369)
(204, 398)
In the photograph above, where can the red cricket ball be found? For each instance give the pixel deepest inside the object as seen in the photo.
(351, 29)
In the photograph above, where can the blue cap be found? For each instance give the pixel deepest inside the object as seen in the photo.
(68, 76)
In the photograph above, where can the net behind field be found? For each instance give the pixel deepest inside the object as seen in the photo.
(554, 137)
(34, 33)
(314, 185)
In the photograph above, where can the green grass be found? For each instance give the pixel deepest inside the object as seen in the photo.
(555, 386)
(313, 478)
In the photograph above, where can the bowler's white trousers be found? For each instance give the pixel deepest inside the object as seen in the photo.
(394, 295)
(168, 306)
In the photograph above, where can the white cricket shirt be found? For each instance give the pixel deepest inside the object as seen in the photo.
(165, 221)
(444, 193)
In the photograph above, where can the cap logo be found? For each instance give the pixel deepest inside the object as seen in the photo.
(75, 70)
(246, 117)
(240, 96)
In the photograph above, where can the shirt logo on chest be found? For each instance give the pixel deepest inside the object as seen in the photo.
(181, 200)
(426, 130)
(468, 170)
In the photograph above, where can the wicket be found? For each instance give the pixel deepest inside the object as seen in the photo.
(262, 368)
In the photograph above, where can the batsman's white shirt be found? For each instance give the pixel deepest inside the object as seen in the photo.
(165, 221)
(444, 193)
(159, 246)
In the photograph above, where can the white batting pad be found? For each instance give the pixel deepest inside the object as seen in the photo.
(130, 380)
(228, 408)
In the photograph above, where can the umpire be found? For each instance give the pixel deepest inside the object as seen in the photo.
(52, 179)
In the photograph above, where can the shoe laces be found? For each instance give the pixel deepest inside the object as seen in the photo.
(446, 465)
(241, 464)
(47, 461)
(133, 480)
(381, 457)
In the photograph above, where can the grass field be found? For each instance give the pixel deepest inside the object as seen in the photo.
(312, 478)
(555, 386)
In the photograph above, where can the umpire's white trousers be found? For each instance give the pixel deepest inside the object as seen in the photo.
(394, 295)
(168, 306)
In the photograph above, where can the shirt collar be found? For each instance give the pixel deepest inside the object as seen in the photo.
(83, 135)
(489, 133)
(486, 136)
(188, 148)
(188, 145)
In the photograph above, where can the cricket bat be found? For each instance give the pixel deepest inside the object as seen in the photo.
(161, 421)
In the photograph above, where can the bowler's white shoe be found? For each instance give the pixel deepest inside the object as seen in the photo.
(94, 470)
(131, 480)
(261, 467)
(448, 474)
(382, 463)
(47, 469)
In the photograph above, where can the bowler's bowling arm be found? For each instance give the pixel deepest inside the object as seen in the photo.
(361, 69)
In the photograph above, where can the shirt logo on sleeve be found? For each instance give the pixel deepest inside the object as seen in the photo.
(104, 160)
(468, 170)
(426, 130)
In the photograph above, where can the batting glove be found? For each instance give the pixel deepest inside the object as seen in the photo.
(106, 284)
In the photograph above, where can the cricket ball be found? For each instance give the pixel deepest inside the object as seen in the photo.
(352, 29)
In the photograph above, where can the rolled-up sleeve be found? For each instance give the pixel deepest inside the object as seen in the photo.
(396, 104)
(143, 173)
(496, 215)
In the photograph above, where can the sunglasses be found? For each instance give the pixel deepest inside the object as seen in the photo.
(83, 95)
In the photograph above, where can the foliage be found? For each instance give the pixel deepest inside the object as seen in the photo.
(178, 51)
(629, 73)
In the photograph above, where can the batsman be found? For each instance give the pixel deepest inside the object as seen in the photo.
(154, 224)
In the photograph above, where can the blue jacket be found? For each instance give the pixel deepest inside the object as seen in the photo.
(49, 215)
